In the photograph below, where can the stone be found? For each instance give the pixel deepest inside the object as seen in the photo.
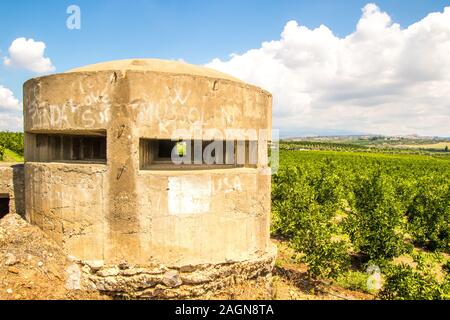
(86, 269)
(108, 284)
(108, 272)
(142, 282)
(187, 268)
(95, 265)
(195, 278)
(73, 258)
(90, 286)
(13, 270)
(172, 279)
(73, 280)
(10, 259)
(132, 271)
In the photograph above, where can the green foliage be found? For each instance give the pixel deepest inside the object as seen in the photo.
(2, 152)
(330, 205)
(429, 213)
(446, 267)
(317, 145)
(181, 148)
(403, 282)
(307, 203)
(377, 224)
(12, 141)
(354, 280)
(323, 250)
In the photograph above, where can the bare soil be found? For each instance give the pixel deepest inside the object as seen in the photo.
(291, 281)
(32, 267)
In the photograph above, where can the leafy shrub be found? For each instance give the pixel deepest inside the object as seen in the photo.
(354, 280)
(376, 226)
(406, 283)
(289, 198)
(323, 250)
(446, 267)
(429, 214)
(305, 205)
(2, 152)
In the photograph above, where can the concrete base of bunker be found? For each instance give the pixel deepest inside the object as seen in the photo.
(175, 282)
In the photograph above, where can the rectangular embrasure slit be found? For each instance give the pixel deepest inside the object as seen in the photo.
(166, 154)
(68, 148)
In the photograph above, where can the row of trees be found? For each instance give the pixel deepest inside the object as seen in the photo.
(359, 147)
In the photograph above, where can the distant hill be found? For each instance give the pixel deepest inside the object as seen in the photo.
(373, 143)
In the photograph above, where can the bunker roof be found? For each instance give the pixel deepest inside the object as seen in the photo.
(155, 65)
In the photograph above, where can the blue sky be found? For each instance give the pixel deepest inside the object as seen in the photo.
(195, 31)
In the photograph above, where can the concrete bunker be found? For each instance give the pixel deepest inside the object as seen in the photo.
(152, 174)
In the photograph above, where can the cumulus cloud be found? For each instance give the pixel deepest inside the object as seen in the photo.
(28, 54)
(8, 102)
(11, 122)
(11, 118)
(381, 78)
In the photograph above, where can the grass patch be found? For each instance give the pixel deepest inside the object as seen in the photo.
(11, 156)
(354, 280)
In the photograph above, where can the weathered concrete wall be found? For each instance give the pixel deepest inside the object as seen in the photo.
(68, 202)
(12, 183)
(185, 102)
(183, 218)
(203, 216)
(114, 211)
(68, 102)
(156, 104)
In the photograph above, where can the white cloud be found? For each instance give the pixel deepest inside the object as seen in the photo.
(8, 102)
(379, 79)
(28, 54)
(11, 118)
(11, 122)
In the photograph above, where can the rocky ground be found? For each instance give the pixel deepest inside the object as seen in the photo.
(33, 267)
